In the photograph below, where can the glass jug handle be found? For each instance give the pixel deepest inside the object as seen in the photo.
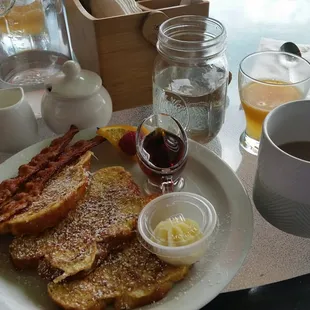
(6, 6)
(167, 185)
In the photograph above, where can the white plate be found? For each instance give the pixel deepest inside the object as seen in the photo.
(205, 174)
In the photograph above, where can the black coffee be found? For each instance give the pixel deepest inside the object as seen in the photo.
(300, 149)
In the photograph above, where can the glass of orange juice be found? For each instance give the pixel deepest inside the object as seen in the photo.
(266, 80)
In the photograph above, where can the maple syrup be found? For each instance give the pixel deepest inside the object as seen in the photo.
(163, 153)
(164, 148)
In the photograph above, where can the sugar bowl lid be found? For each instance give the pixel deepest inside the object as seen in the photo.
(73, 82)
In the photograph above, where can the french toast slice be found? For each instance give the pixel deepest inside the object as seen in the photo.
(23, 199)
(59, 196)
(127, 279)
(105, 217)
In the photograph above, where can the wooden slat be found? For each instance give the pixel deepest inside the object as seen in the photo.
(159, 4)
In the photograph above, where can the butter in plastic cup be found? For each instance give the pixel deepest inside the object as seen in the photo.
(179, 204)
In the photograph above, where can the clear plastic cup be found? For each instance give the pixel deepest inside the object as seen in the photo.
(177, 206)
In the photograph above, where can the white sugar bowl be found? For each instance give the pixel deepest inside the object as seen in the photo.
(75, 97)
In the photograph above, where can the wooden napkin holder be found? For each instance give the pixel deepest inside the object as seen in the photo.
(121, 49)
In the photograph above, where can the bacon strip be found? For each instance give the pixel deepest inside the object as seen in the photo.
(9, 187)
(33, 188)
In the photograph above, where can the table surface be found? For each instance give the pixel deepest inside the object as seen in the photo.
(274, 255)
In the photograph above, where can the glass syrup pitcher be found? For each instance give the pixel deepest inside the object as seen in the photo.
(34, 40)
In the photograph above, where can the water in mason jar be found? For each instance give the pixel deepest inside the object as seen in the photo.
(202, 90)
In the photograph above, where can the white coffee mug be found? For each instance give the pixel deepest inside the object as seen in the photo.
(18, 125)
(282, 184)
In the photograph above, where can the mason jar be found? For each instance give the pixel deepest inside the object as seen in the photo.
(190, 75)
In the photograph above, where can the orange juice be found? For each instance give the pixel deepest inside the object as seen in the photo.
(24, 19)
(260, 98)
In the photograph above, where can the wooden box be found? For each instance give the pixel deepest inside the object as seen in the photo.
(116, 48)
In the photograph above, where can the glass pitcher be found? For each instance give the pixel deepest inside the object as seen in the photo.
(34, 40)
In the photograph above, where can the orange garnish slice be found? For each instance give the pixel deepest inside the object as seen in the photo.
(114, 133)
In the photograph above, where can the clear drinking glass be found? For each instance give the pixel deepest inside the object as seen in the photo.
(266, 80)
(34, 41)
(5, 6)
(162, 149)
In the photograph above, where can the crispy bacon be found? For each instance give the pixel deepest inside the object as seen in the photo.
(33, 188)
(25, 172)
